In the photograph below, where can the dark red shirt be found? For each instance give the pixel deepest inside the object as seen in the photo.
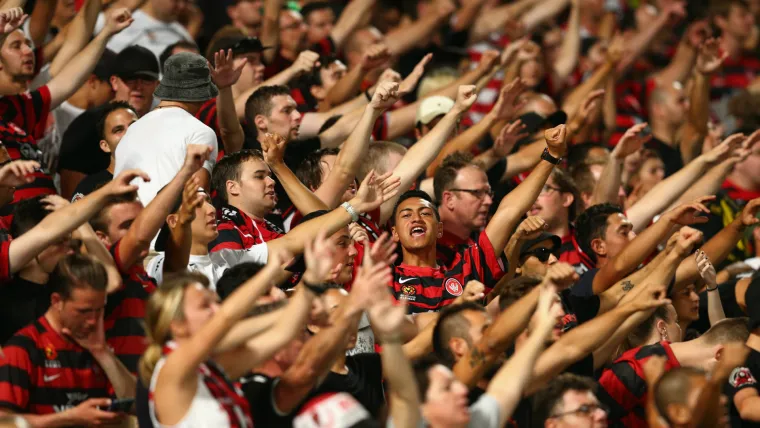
(237, 231)
(624, 387)
(734, 75)
(428, 289)
(44, 373)
(124, 317)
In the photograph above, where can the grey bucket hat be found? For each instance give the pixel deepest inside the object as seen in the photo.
(186, 78)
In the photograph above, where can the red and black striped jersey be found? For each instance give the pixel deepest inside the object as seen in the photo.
(624, 387)
(428, 289)
(449, 246)
(570, 252)
(5, 260)
(125, 312)
(207, 115)
(237, 231)
(23, 119)
(632, 96)
(43, 372)
(734, 75)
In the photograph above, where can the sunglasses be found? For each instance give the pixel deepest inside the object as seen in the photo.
(585, 410)
(542, 254)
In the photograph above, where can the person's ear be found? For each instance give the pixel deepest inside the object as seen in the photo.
(232, 12)
(718, 351)
(261, 122)
(586, 199)
(440, 229)
(679, 414)
(178, 328)
(459, 347)
(104, 146)
(599, 246)
(417, 133)
(318, 92)
(448, 200)
(56, 301)
(172, 220)
(233, 188)
(567, 199)
(113, 80)
(394, 234)
(104, 238)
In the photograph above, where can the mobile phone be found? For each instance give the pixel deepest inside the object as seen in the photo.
(647, 131)
(122, 405)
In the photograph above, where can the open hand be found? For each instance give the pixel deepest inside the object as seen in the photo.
(414, 77)
(509, 102)
(749, 213)
(508, 137)
(120, 184)
(318, 256)
(224, 72)
(706, 269)
(710, 57)
(691, 213)
(632, 141)
(11, 19)
(192, 199)
(18, 173)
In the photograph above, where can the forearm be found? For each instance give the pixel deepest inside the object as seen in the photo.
(304, 199)
(512, 252)
(248, 328)
(39, 21)
(707, 184)
(349, 159)
(606, 353)
(609, 108)
(73, 75)
(466, 15)
(488, 159)
(524, 160)
(717, 249)
(78, 34)
(346, 88)
(463, 142)
(571, 46)
(53, 420)
(349, 20)
(573, 101)
(664, 194)
(699, 103)
(124, 384)
(96, 249)
(538, 15)
(402, 40)
(421, 344)
(404, 395)
(270, 30)
(515, 204)
(680, 67)
(294, 240)
(715, 311)
(637, 44)
(608, 186)
(229, 126)
(177, 254)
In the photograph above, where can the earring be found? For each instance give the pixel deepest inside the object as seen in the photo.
(664, 335)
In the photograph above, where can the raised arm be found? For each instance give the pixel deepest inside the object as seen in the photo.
(511, 380)
(270, 27)
(639, 43)
(355, 148)
(151, 218)
(63, 221)
(75, 72)
(571, 45)
(401, 40)
(714, 306)
(179, 243)
(424, 151)
(607, 188)
(519, 200)
(225, 74)
(353, 14)
(39, 21)
(574, 99)
(78, 34)
(682, 64)
(350, 84)
(538, 15)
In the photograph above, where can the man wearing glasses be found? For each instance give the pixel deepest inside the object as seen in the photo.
(569, 401)
(536, 255)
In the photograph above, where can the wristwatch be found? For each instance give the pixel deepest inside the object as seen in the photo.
(549, 158)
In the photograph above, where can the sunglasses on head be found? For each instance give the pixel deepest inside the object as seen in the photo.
(542, 254)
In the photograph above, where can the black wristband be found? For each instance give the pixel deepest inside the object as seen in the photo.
(549, 158)
(711, 289)
(317, 289)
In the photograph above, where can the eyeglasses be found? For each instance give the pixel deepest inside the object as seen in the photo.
(478, 193)
(542, 254)
(547, 188)
(585, 410)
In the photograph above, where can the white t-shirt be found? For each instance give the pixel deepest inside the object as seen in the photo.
(211, 265)
(157, 144)
(147, 32)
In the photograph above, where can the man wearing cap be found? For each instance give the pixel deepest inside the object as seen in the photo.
(158, 141)
(133, 80)
(537, 254)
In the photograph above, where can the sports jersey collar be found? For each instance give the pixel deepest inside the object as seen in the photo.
(59, 341)
(408, 270)
(450, 240)
(735, 192)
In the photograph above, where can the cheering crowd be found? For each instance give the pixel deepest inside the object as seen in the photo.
(366, 213)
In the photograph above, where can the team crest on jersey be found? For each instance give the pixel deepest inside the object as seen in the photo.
(741, 376)
(453, 287)
(408, 292)
(50, 352)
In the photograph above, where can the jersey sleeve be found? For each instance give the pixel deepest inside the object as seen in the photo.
(488, 266)
(155, 267)
(228, 238)
(15, 376)
(207, 137)
(115, 253)
(228, 257)
(5, 261)
(39, 103)
(741, 378)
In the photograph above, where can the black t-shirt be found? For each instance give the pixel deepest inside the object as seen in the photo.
(259, 391)
(364, 382)
(578, 309)
(80, 146)
(742, 378)
(21, 302)
(91, 183)
(671, 156)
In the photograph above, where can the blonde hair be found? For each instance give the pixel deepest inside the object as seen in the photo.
(436, 79)
(377, 156)
(164, 307)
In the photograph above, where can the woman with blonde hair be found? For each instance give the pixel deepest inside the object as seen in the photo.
(187, 327)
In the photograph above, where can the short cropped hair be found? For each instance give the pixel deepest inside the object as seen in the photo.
(674, 387)
(110, 108)
(235, 276)
(414, 194)
(592, 224)
(516, 289)
(727, 331)
(447, 173)
(546, 400)
(452, 323)
(102, 219)
(27, 213)
(228, 169)
(260, 102)
(377, 156)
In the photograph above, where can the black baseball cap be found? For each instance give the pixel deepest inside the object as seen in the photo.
(544, 236)
(104, 69)
(136, 61)
(534, 122)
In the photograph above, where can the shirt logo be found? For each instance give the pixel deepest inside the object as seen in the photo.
(50, 352)
(405, 280)
(741, 376)
(51, 378)
(453, 287)
(408, 293)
